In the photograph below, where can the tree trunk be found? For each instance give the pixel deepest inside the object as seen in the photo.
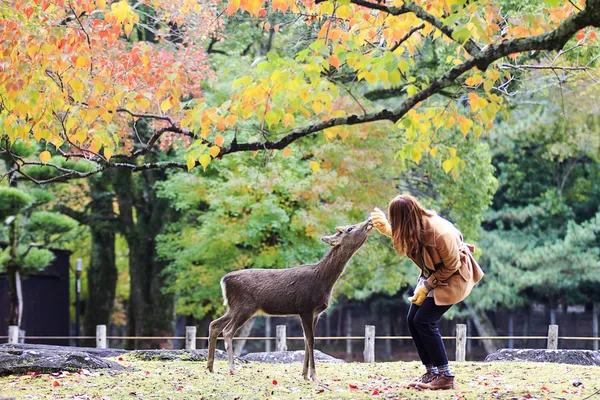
(485, 328)
(15, 295)
(151, 312)
(238, 345)
(102, 271)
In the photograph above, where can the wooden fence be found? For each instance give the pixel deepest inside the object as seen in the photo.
(16, 336)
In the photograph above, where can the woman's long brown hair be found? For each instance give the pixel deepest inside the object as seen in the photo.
(405, 213)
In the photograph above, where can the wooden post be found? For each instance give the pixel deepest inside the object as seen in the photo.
(553, 337)
(461, 342)
(13, 334)
(349, 333)
(101, 336)
(280, 338)
(268, 333)
(190, 338)
(595, 312)
(369, 352)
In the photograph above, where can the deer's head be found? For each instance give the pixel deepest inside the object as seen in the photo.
(351, 235)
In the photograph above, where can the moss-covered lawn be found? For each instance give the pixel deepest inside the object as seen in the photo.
(190, 380)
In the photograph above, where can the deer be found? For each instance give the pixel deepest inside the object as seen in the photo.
(304, 291)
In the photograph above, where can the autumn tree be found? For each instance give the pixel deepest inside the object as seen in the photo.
(72, 83)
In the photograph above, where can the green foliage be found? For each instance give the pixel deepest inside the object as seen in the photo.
(50, 223)
(12, 201)
(540, 240)
(36, 259)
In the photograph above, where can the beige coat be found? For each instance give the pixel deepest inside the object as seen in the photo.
(457, 270)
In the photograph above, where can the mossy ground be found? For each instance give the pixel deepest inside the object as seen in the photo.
(190, 380)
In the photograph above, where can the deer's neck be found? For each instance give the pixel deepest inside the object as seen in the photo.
(332, 265)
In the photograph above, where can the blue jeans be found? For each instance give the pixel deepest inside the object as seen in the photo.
(422, 324)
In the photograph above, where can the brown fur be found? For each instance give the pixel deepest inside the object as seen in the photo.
(304, 291)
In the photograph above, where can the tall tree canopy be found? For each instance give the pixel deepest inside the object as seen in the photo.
(72, 83)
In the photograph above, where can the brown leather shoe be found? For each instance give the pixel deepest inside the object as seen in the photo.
(427, 377)
(441, 382)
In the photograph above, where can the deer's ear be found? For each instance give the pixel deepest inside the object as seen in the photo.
(332, 240)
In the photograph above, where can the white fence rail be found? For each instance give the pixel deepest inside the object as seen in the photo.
(281, 338)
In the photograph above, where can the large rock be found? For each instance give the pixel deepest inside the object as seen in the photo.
(175, 355)
(89, 350)
(286, 357)
(578, 357)
(19, 361)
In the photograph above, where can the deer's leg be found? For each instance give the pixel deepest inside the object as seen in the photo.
(309, 341)
(234, 324)
(215, 328)
(313, 370)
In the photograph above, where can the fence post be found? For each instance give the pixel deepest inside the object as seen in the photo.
(280, 338)
(369, 352)
(101, 336)
(553, 337)
(21, 336)
(190, 338)
(13, 334)
(461, 342)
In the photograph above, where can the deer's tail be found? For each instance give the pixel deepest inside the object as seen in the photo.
(224, 291)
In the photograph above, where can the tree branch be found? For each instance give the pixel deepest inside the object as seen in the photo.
(470, 46)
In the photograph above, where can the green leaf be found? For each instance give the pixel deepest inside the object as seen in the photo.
(461, 34)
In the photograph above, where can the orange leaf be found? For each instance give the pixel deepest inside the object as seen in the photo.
(286, 153)
(45, 156)
(335, 61)
(214, 151)
(219, 140)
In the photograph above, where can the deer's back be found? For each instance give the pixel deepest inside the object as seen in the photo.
(277, 291)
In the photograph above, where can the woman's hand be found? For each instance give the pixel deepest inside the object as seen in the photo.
(380, 222)
(419, 296)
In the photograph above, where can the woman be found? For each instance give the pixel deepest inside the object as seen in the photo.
(448, 273)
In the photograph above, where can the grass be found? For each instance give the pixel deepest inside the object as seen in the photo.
(189, 380)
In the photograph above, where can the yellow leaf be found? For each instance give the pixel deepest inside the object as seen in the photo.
(415, 155)
(165, 105)
(101, 4)
(465, 124)
(330, 133)
(433, 151)
(474, 80)
(315, 166)
(204, 160)
(143, 103)
(452, 151)
(286, 152)
(214, 151)
(219, 140)
(45, 156)
(108, 153)
(447, 165)
(190, 162)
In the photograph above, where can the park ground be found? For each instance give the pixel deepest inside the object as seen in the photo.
(190, 380)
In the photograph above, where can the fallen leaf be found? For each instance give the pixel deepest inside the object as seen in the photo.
(353, 387)
(55, 383)
(274, 382)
